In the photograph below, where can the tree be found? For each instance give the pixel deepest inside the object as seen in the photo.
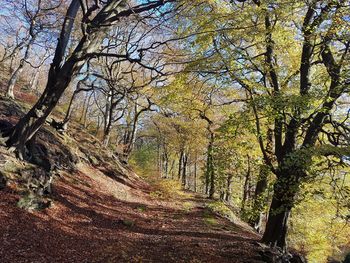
(294, 157)
(130, 131)
(63, 68)
(292, 90)
(36, 17)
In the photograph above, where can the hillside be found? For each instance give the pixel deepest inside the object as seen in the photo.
(89, 222)
(174, 131)
(101, 211)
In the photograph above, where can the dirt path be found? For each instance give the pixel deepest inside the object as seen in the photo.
(88, 223)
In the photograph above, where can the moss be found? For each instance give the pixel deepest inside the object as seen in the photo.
(141, 208)
(31, 202)
(11, 167)
(128, 223)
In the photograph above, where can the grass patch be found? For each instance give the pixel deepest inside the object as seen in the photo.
(141, 208)
(156, 194)
(167, 189)
(210, 221)
(209, 218)
(187, 206)
(222, 210)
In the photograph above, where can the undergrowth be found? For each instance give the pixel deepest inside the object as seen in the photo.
(222, 209)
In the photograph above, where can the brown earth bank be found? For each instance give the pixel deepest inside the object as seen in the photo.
(89, 223)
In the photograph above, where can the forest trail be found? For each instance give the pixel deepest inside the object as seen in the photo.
(95, 218)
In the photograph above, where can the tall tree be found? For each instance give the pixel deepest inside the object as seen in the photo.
(35, 18)
(63, 68)
(291, 89)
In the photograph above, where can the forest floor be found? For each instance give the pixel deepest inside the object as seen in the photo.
(93, 220)
(103, 212)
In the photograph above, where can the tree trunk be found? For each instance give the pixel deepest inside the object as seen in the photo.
(285, 189)
(277, 225)
(228, 188)
(159, 159)
(166, 163)
(85, 116)
(107, 126)
(108, 115)
(12, 59)
(195, 175)
(57, 83)
(17, 72)
(12, 82)
(83, 108)
(58, 79)
(99, 124)
(70, 109)
(131, 138)
(106, 137)
(35, 118)
(33, 84)
(260, 198)
(210, 173)
(207, 174)
(212, 182)
(246, 189)
(172, 169)
(184, 169)
(180, 165)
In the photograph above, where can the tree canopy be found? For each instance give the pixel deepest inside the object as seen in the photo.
(243, 101)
